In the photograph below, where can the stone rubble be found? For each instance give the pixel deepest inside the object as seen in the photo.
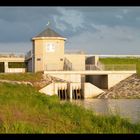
(128, 88)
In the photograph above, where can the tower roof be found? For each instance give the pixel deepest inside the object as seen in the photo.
(49, 33)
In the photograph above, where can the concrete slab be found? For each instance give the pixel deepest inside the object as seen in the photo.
(90, 72)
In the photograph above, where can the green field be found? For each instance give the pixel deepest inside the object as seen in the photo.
(24, 110)
(122, 61)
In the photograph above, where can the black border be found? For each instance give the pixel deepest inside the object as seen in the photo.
(69, 3)
(71, 136)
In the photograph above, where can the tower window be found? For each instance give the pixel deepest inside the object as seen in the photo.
(38, 59)
(50, 47)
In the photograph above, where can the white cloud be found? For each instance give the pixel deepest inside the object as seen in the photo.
(59, 25)
(119, 16)
(125, 11)
(72, 17)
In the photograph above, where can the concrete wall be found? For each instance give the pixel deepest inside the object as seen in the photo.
(100, 81)
(48, 90)
(91, 91)
(113, 79)
(77, 60)
(5, 60)
(16, 70)
(48, 59)
(106, 81)
(68, 77)
(38, 55)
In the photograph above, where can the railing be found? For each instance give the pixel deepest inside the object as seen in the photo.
(28, 55)
(120, 67)
(100, 65)
(74, 52)
(12, 55)
(113, 67)
(91, 67)
(67, 64)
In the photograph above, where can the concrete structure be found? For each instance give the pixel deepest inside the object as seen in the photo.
(83, 75)
(6, 59)
(72, 90)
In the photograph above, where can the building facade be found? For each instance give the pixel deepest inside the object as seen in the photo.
(48, 53)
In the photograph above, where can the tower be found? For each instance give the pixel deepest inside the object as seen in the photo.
(48, 51)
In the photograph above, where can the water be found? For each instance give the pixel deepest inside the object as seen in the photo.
(126, 108)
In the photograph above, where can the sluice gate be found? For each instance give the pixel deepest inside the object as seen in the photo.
(71, 90)
(63, 94)
(67, 91)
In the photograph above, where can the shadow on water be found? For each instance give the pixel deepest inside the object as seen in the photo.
(127, 108)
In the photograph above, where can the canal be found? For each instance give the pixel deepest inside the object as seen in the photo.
(126, 108)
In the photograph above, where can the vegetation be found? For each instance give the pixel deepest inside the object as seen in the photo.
(31, 77)
(24, 110)
(126, 60)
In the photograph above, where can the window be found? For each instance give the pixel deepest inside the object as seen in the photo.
(38, 59)
(50, 47)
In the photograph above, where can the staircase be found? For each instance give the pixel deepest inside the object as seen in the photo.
(67, 64)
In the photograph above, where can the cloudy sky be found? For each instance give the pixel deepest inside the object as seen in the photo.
(95, 30)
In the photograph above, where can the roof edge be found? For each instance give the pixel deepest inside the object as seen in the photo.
(53, 38)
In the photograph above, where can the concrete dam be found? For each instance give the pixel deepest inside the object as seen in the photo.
(83, 84)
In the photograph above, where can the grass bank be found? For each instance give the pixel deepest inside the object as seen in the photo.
(31, 77)
(24, 110)
(126, 60)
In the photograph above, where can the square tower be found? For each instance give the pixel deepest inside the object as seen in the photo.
(48, 51)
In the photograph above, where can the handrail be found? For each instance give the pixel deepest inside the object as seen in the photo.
(67, 64)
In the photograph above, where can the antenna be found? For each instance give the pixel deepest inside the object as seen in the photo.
(48, 23)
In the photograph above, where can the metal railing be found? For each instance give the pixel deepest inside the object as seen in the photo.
(12, 55)
(75, 52)
(112, 67)
(67, 64)
(91, 67)
(29, 54)
(119, 67)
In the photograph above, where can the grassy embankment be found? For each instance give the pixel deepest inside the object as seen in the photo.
(24, 110)
(30, 77)
(126, 60)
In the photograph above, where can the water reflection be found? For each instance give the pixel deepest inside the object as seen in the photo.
(128, 108)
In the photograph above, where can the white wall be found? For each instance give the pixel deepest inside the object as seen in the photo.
(91, 91)
(114, 79)
(15, 70)
(68, 77)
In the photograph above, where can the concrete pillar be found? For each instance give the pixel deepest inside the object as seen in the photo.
(69, 87)
(5, 67)
(83, 90)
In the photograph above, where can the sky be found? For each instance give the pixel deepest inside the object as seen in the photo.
(94, 30)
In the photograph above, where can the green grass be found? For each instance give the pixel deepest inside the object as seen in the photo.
(31, 77)
(126, 60)
(24, 110)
